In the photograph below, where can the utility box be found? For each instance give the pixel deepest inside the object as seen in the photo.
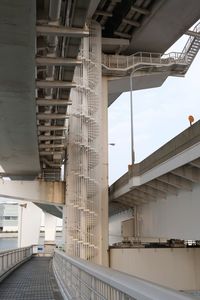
(128, 228)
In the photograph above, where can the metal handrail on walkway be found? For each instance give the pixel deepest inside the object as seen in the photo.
(80, 279)
(11, 259)
(125, 63)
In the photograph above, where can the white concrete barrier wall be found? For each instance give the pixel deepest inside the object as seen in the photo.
(177, 268)
(173, 217)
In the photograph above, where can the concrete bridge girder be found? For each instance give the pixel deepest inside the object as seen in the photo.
(171, 170)
(162, 186)
(195, 163)
(176, 181)
(188, 172)
(37, 191)
(143, 195)
(152, 191)
(131, 201)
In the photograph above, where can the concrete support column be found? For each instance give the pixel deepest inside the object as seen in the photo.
(29, 222)
(50, 222)
(50, 228)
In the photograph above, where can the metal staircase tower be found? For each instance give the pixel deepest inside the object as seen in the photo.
(192, 46)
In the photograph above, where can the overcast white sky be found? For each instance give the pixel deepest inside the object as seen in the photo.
(159, 115)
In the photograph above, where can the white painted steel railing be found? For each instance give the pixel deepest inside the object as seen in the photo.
(124, 63)
(12, 258)
(190, 41)
(79, 279)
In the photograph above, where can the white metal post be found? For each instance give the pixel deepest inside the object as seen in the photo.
(131, 114)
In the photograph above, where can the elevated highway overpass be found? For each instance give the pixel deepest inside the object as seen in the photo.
(163, 190)
(68, 60)
(173, 167)
(35, 105)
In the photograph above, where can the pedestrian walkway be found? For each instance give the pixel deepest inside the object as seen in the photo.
(33, 280)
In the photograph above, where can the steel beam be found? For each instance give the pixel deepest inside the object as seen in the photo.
(195, 163)
(131, 22)
(162, 186)
(61, 31)
(123, 35)
(56, 61)
(51, 146)
(176, 181)
(126, 201)
(140, 10)
(141, 194)
(189, 173)
(103, 13)
(51, 128)
(55, 84)
(52, 102)
(50, 138)
(137, 198)
(47, 153)
(115, 42)
(55, 116)
(130, 203)
(49, 163)
(151, 191)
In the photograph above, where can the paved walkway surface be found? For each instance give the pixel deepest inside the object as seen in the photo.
(33, 280)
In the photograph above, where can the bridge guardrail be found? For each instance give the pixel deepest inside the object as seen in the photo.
(11, 259)
(80, 279)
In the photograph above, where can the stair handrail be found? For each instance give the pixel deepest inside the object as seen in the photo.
(122, 62)
(142, 57)
(190, 40)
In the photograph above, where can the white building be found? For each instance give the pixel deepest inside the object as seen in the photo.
(9, 216)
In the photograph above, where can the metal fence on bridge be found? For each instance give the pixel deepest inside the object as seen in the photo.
(9, 260)
(80, 279)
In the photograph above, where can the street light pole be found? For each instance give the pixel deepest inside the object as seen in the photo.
(131, 112)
